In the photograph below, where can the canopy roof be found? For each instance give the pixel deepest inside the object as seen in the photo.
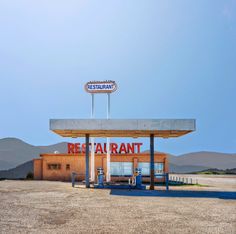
(122, 127)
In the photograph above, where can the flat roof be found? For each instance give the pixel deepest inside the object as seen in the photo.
(122, 127)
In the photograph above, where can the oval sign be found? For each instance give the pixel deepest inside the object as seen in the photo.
(101, 86)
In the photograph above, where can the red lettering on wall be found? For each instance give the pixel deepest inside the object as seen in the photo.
(130, 148)
(99, 149)
(83, 148)
(77, 148)
(125, 148)
(114, 147)
(138, 147)
(105, 148)
(122, 148)
(70, 148)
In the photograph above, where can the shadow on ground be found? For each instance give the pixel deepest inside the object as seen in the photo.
(175, 193)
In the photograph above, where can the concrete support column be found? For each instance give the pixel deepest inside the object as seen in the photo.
(108, 140)
(92, 167)
(152, 162)
(108, 178)
(87, 162)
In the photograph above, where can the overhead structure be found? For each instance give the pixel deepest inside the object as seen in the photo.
(152, 128)
(122, 128)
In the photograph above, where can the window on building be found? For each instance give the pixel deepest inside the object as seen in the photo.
(67, 166)
(145, 166)
(121, 168)
(54, 166)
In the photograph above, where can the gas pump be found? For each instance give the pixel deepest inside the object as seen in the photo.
(138, 178)
(100, 177)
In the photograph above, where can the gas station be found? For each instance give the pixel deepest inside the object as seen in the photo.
(92, 128)
(151, 128)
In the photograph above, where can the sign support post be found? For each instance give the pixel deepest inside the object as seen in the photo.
(92, 173)
(94, 87)
(108, 178)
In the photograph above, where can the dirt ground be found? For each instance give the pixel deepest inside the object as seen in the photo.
(56, 207)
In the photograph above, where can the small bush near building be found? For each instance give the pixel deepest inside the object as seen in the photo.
(30, 176)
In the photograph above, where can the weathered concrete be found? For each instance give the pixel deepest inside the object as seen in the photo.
(122, 127)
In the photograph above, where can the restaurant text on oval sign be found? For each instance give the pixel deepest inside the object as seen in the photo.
(101, 86)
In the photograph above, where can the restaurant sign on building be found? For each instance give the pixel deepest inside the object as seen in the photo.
(101, 148)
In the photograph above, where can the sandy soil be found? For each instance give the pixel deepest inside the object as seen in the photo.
(56, 207)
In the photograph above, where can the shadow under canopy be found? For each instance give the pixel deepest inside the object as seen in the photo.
(175, 193)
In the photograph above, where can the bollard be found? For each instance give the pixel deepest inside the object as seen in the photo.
(73, 181)
(73, 175)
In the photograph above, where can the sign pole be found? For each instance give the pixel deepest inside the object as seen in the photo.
(108, 141)
(92, 174)
(94, 87)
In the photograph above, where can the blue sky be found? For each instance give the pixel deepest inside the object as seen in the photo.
(170, 59)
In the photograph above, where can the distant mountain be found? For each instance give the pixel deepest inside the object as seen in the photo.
(215, 171)
(199, 161)
(14, 152)
(6, 165)
(173, 168)
(19, 172)
(206, 159)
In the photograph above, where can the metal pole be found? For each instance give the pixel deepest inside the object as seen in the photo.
(87, 161)
(152, 162)
(167, 181)
(108, 178)
(108, 105)
(92, 173)
(92, 106)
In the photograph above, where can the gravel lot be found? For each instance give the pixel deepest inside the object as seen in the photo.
(56, 207)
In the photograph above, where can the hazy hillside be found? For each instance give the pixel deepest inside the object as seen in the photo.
(60, 147)
(14, 152)
(173, 168)
(207, 159)
(6, 165)
(19, 172)
(199, 161)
